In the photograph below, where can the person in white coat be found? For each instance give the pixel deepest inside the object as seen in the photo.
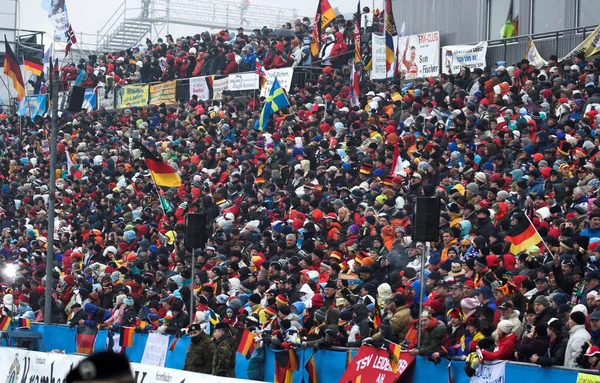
(326, 50)
(578, 335)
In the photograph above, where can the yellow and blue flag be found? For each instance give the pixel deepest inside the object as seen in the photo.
(275, 102)
(390, 33)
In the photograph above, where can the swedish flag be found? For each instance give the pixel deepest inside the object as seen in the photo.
(275, 102)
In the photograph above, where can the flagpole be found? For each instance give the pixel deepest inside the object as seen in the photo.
(542, 238)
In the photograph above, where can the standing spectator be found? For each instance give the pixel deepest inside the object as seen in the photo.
(578, 336)
(555, 355)
(200, 352)
(224, 359)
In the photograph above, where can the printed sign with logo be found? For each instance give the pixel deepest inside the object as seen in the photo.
(243, 81)
(134, 95)
(372, 364)
(284, 77)
(32, 106)
(219, 86)
(199, 87)
(468, 56)
(419, 55)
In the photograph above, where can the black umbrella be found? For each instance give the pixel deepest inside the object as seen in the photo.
(282, 33)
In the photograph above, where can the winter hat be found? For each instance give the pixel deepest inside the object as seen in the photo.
(555, 324)
(200, 317)
(506, 326)
(592, 351)
(578, 317)
(541, 300)
(320, 315)
(127, 301)
(115, 276)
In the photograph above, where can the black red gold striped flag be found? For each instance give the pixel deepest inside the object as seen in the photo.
(286, 362)
(126, 336)
(13, 70)
(4, 322)
(523, 235)
(162, 174)
(24, 322)
(246, 345)
(85, 339)
(311, 367)
(33, 64)
(376, 318)
(395, 351)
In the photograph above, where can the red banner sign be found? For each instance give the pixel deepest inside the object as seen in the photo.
(372, 364)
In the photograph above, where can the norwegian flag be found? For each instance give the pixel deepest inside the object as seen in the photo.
(71, 40)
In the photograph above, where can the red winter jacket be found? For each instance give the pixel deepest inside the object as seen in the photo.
(340, 47)
(280, 61)
(504, 350)
(232, 66)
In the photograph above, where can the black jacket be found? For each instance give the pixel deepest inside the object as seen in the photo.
(555, 355)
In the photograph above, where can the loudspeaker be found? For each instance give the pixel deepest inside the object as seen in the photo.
(426, 214)
(195, 231)
(76, 99)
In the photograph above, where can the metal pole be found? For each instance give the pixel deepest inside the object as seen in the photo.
(422, 278)
(192, 305)
(52, 198)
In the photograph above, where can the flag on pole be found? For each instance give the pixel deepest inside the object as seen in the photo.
(4, 322)
(71, 40)
(390, 33)
(166, 205)
(275, 102)
(357, 39)
(161, 172)
(85, 339)
(354, 87)
(511, 27)
(523, 235)
(48, 54)
(33, 64)
(395, 351)
(324, 15)
(13, 70)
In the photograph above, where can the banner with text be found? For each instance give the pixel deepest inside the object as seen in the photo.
(419, 55)
(30, 366)
(378, 71)
(490, 372)
(468, 56)
(200, 87)
(219, 86)
(90, 100)
(134, 95)
(32, 106)
(165, 92)
(284, 77)
(243, 81)
(372, 364)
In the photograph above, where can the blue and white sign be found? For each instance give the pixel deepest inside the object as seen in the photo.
(32, 106)
(90, 100)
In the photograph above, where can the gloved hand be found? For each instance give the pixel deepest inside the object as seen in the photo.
(368, 340)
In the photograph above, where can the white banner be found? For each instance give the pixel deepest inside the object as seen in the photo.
(106, 99)
(419, 55)
(30, 366)
(284, 77)
(243, 81)
(468, 56)
(219, 86)
(378, 71)
(200, 88)
(155, 352)
(490, 373)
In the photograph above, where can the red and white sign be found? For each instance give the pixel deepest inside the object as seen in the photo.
(372, 364)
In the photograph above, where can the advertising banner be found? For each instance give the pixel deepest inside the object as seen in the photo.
(372, 364)
(490, 373)
(419, 55)
(106, 99)
(165, 92)
(468, 56)
(219, 86)
(32, 106)
(284, 77)
(243, 81)
(134, 95)
(378, 71)
(200, 87)
(90, 100)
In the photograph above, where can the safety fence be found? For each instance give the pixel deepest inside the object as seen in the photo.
(329, 365)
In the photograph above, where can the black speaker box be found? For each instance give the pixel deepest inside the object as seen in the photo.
(427, 219)
(76, 99)
(195, 231)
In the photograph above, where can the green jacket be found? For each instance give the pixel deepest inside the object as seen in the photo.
(200, 354)
(224, 359)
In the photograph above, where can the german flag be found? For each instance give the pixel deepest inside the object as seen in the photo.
(323, 16)
(311, 367)
(162, 174)
(260, 180)
(285, 365)
(395, 351)
(246, 345)
(33, 64)
(522, 235)
(348, 358)
(126, 336)
(85, 339)
(13, 70)
(376, 318)
(4, 322)
(24, 322)
(141, 323)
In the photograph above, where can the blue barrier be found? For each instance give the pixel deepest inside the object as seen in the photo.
(330, 364)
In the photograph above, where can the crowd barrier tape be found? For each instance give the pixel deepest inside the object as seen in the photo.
(330, 364)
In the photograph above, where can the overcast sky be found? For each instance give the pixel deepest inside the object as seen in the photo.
(89, 16)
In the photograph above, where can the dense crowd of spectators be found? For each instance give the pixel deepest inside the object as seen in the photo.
(310, 243)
